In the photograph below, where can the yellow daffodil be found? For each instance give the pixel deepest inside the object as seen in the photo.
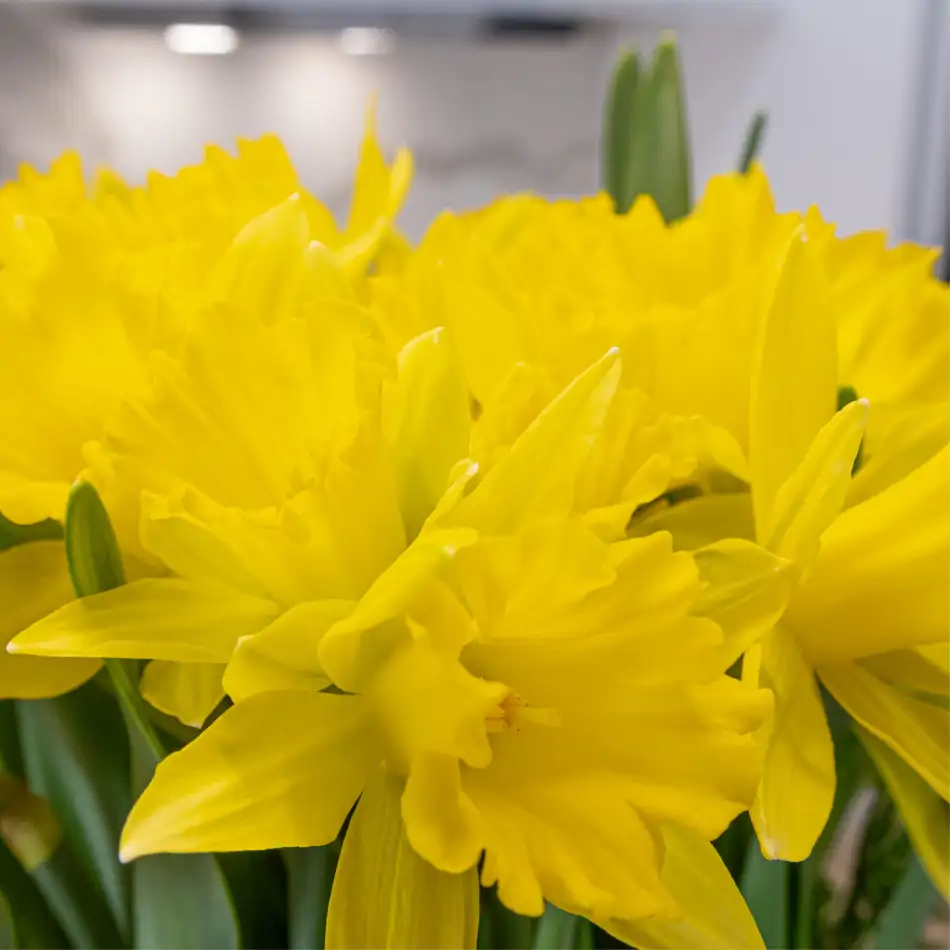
(96, 286)
(504, 681)
(745, 328)
(868, 613)
(545, 285)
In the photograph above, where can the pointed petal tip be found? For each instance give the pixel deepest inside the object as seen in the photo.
(769, 848)
(128, 852)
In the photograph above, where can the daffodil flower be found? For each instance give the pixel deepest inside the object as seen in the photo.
(450, 646)
(97, 286)
(742, 328)
(867, 615)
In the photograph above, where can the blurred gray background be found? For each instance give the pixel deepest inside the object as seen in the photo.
(495, 96)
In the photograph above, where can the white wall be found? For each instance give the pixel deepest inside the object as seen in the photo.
(41, 106)
(839, 78)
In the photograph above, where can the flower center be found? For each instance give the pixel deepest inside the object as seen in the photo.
(513, 712)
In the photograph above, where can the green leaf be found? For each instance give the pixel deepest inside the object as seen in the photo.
(585, 935)
(95, 566)
(77, 900)
(309, 877)
(646, 148)
(765, 886)
(752, 144)
(11, 761)
(182, 901)
(179, 901)
(641, 151)
(30, 918)
(619, 130)
(7, 924)
(671, 185)
(92, 552)
(557, 929)
(902, 921)
(257, 883)
(500, 928)
(733, 844)
(74, 899)
(804, 880)
(76, 756)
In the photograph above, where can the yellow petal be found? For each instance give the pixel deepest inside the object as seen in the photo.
(432, 425)
(917, 731)
(937, 655)
(798, 776)
(880, 581)
(378, 190)
(536, 479)
(256, 428)
(430, 702)
(280, 770)
(908, 438)
(152, 619)
(922, 670)
(27, 500)
(441, 822)
(263, 267)
(794, 388)
(746, 593)
(34, 581)
(384, 895)
(924, 813)
(814, 494)
(188, 691)
(362, 508)
(190, 549)
(611, 521)
(563, 835)
(714, 915)
(521, 585)
(284, 654)
(697, 522)
(352, 649)
(622, 707)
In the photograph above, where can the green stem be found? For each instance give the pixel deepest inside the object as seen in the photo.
(133, 707)
(806, 892)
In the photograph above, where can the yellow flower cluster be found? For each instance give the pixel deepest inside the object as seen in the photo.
(536, 543)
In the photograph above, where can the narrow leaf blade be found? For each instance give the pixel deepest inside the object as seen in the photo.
(309, 878)
(75, 755)
(619, 130)
(30, 919)
(902, 920)
(754, 137)
(672, 168)
(92, 552)
(764, 886)
(557, 930)
(182, 901)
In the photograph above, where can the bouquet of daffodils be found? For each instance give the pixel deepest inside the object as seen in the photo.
(566, 580)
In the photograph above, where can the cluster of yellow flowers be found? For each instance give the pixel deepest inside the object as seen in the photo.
(537, 542)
